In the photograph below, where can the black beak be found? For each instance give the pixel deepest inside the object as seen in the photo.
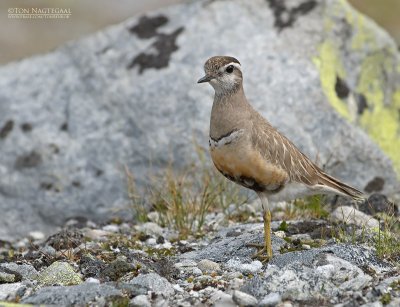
(206, 78)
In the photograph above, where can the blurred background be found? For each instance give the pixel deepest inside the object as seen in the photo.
(21, 38)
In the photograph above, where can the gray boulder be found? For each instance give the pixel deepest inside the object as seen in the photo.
(72, 119)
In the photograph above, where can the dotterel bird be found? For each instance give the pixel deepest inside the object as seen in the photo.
(246, 149)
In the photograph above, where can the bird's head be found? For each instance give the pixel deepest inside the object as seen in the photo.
(223, 73)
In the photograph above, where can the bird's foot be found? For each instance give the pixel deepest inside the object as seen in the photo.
(263, 254)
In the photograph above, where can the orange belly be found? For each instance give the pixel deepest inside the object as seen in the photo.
(247, 163)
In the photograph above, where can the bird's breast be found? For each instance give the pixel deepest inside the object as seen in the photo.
(239, 162)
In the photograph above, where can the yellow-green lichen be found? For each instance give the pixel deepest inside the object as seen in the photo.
(374, 80)
(329, 66)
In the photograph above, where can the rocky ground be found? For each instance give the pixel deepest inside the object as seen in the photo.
(121, 264)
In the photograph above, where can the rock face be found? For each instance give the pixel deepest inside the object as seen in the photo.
(71, 120)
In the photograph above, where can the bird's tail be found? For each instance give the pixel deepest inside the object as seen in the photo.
(341, 187)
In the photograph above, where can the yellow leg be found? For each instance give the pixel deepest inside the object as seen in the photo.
(267, 233)
(265, 252)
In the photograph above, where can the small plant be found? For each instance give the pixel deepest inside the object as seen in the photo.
(310, 207)
(184, 198)
(387, 240)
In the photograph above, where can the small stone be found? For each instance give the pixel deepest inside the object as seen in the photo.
(301, 237)
(155, 283)
(7, 277)
(236, 283)
(306, 246)
(48, 250)
(197, 272)
(350, 215)
(245, 268)
(270, 300)
(208, 266)
(59, 273)
(160, 240)
(92, 280)
(154, 217)
(280, 234)
(150, 228)
(10, 291)
(111, 228)
(233, 275)
(186, 263)
(222, 299)
(244, 299)
(36, 235)
(26, 271)
(140, 301)
(151, 241)
(178, 288)
(97, 234)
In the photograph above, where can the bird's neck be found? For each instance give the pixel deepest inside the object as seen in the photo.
(229, 111)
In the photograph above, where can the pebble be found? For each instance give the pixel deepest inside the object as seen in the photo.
(7, 277)
(306, 246)
(111, 228)
(245, 268)
(186, 263)
(270, 300)
(140, 301)
(92, 280)
(177, 288)
(36, 235)
(301, 237)
(27, 271)
(155, 283)
(222, 299)
(10, 291)
(280, 234)
(244, 299)
(208, 266)
(60, 273)
(350, 215)
(197, 272)
(48, 250)
(151, 241)
(97, 234)
(154, 216)
(150, 228)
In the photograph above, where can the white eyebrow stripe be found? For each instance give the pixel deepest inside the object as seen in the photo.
(237, 65)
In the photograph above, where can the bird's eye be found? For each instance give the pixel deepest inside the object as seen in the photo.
(229, 69)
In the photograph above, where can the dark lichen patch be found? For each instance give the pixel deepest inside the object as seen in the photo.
(341, 88)
(286, 17)
(26, 127)
(6, 129)
(29, 160)
(362, 103)
(64, 127)
(76, 184)
(375, 185)
(147, 26)
(165, 45)
(46, 186)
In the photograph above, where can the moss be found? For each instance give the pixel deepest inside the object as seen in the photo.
(385, 298)
(283, 226)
